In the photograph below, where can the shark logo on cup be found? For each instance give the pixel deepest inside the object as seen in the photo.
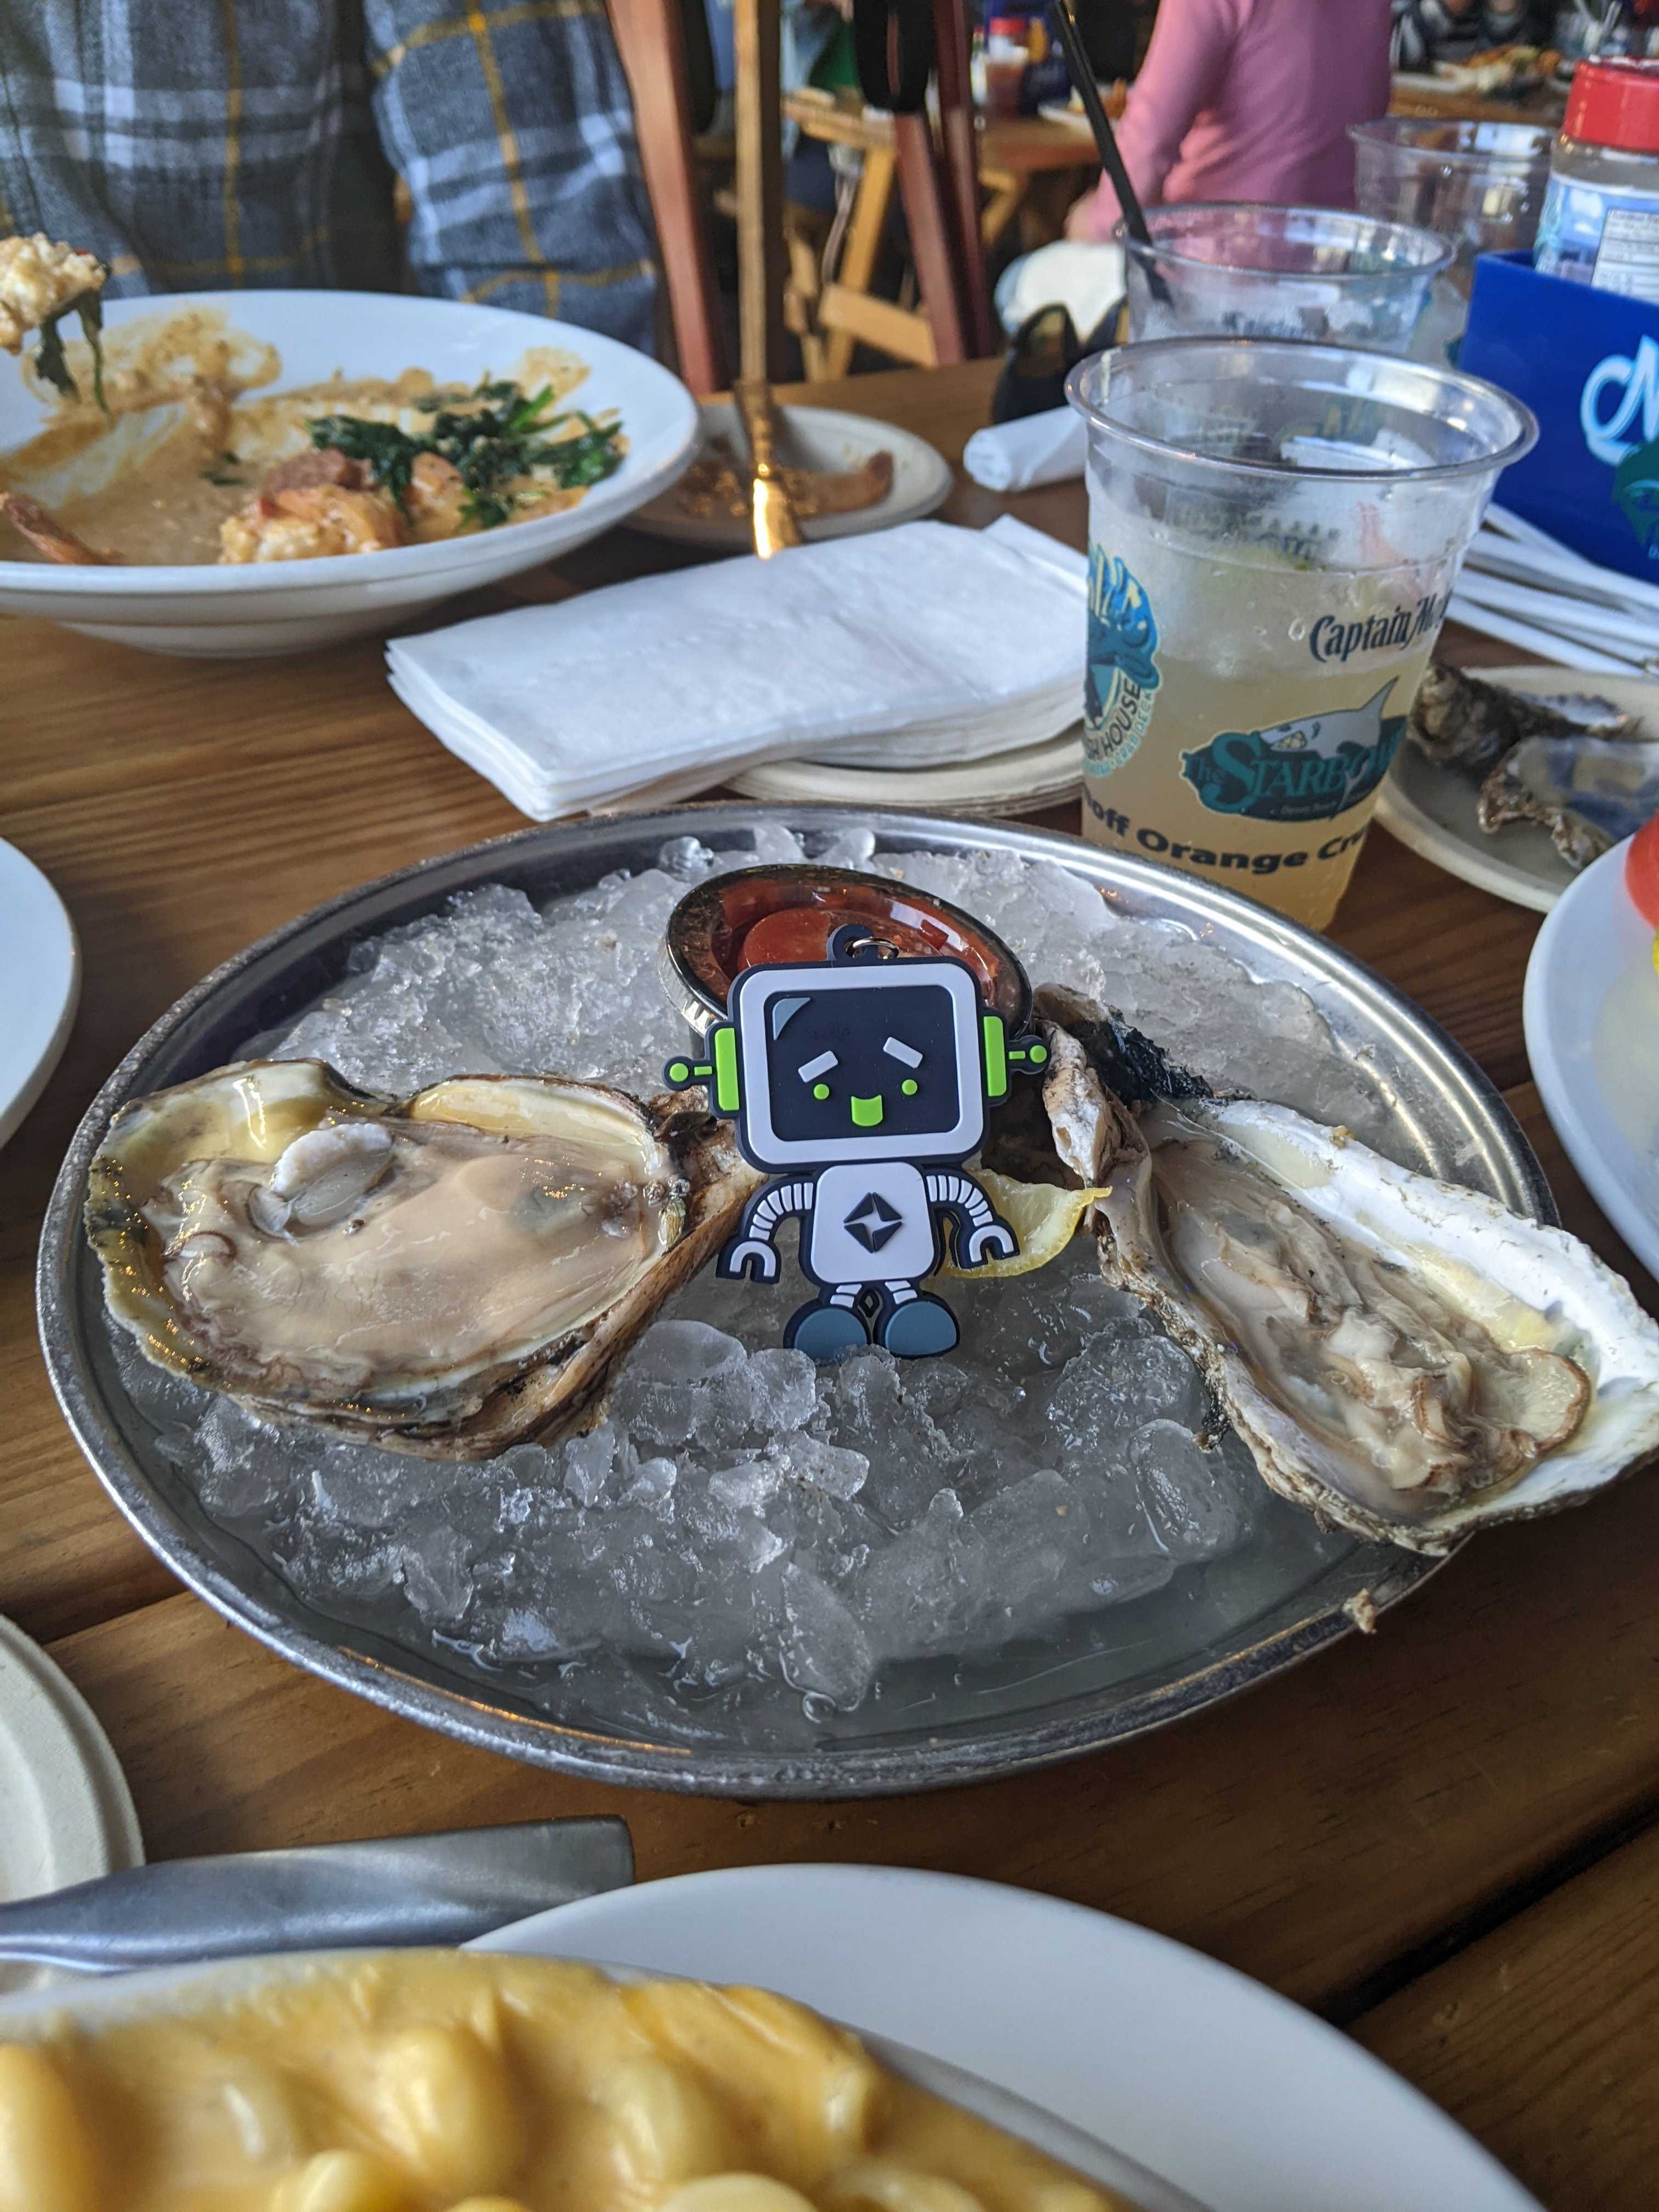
(1121, 664)
(1307, 770)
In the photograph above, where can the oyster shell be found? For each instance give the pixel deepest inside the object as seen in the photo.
(446, 1275)
(1587, 792)
(1462, 721)
(1402, 1356)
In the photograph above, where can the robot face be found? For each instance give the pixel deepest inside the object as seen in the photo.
(864, 1062)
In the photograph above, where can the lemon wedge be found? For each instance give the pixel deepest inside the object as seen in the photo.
(1042, 1217)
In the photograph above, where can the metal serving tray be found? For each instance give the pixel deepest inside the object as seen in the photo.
(934, 1724)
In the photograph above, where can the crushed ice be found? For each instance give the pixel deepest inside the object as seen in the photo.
(747, 1535)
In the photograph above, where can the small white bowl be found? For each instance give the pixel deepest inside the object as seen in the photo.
(288, 605)
(812, 438)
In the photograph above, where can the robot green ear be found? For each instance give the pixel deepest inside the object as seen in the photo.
(1029, 1053)
(719, 1074)
(996, 1057)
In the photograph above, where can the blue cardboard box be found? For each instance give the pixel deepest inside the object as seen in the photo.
(1587, 363)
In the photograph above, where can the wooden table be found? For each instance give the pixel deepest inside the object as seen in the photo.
(1444, 1837)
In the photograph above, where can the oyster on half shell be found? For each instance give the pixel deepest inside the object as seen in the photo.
(1587, 792)
(446, 1275)
(1403, 1356)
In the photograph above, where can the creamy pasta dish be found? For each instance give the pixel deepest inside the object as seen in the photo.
(442, 2081)
(169, 446)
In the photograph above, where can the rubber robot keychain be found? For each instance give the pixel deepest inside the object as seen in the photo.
(860, 1083)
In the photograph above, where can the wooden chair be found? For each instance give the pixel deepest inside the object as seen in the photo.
(937, 178)
(650, 40)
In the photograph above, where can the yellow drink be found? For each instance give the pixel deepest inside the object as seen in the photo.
(1275, 531)
(1277, 693)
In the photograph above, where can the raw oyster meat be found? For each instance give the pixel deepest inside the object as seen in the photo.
(446, 1275)
(1401, 1356)
(1587, 792)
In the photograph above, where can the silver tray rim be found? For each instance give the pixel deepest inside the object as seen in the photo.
(68, 1302)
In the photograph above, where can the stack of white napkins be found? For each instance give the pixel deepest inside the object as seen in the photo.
(921, 644)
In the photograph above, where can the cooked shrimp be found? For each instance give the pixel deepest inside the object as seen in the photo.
(39, 280)
(437, 498)
(309, 522)
(47, 535)
(323, 465)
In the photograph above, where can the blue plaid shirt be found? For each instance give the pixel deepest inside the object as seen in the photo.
(195, 144)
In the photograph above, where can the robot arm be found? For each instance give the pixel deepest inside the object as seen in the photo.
(754, 1248)
(983, 1236)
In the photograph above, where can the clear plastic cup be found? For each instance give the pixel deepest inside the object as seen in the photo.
(1275, 529)
(1291, 272)
(1479, 185)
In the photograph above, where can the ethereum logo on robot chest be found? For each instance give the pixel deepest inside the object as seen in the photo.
(872, 1222)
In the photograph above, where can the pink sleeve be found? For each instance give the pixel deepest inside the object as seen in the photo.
(1191, 44)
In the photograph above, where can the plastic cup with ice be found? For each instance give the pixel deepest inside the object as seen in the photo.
(1275, 529)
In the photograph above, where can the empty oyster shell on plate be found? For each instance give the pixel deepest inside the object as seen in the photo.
(1588, 792)
(1402, 1356)
(1462, 721)
(1577, 765)
(446, 1275)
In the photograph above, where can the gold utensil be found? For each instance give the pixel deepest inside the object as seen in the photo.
(772, 515)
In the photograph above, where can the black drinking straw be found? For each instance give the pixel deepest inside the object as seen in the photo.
(1083, 76)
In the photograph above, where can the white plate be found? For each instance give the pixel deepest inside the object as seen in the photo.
(1058, 110)
(285, 606)
(65, 1812)
(814, 438)
(1004, 784)
(39, 984)
(1591, 1014)
(1431, 809)
(1232, 2093)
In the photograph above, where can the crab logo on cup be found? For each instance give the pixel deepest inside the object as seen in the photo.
(1121, 667)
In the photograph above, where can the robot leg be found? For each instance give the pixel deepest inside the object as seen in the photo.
(913, 1325)
(830, 1327)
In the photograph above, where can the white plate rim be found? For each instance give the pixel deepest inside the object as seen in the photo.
(661, 459)
(1042, 774)
(1078, 2011)
(1230, 2091)
(89, 1825)
(1566, 1082)
(1398, 813)
(36, 1019)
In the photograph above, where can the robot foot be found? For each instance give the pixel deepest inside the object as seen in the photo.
(826, 1332)
(920, 1328)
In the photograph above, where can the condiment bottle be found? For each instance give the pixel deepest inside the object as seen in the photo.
(1600, 220)
(1006, 54)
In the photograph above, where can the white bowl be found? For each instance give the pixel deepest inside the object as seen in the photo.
(1590, 1011)
(291, 604)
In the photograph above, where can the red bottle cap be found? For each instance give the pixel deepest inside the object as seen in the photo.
(1615, 103)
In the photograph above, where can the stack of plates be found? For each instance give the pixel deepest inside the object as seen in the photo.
(1007, 783)
(66, 1815)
